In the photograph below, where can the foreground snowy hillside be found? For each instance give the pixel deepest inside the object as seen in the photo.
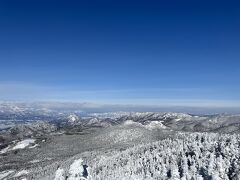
(189, 156)
(197, 156)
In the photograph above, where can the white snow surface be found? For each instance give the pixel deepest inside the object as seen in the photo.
(72, 118)
(93, 120)
(6, 149)
(155, 125)
(131, 122)
(177, 115)
(150, 126)
(20, 173)
(124, 135)
(34, 146)
(23, 144)
(76, 170)
(35, 161)
(60, 174)
(4, 174)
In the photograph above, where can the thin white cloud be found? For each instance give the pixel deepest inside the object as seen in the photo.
(147, 96)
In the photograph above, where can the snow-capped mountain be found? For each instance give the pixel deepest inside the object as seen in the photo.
(73, 118)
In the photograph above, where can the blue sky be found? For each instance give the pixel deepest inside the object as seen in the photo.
(137, 52)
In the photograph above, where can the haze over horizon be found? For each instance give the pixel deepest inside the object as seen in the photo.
(119, 52)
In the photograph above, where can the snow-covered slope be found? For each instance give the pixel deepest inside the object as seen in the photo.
(32, 129)
(195, 156)
(155, 125)
(23, 144)
(73, 118)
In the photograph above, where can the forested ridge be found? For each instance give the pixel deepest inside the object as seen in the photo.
(190, 156)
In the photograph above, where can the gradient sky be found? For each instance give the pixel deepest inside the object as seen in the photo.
(145, 52)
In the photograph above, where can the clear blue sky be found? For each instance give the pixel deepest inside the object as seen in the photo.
(121, 51)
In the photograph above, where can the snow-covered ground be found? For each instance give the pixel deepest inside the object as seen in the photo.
(20, 145)
(6, 149)
(23, 144)
(73, 118)
(21, 173)
(75, 172)
(118, 138)
(150, 126)
(60, 174)
(4, 174)
(35, 145)
(155, 125)
(131, 122)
